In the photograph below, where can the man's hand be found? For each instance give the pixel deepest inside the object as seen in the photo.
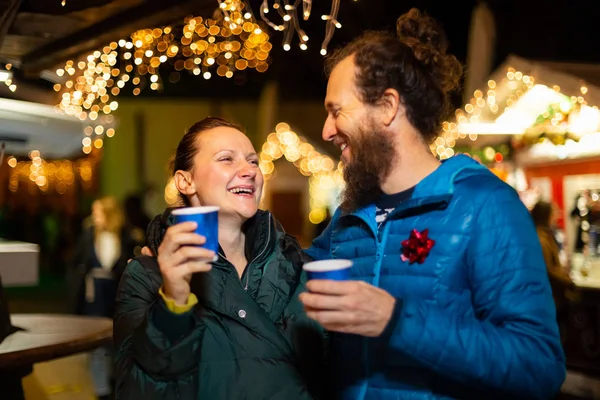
(348, 306)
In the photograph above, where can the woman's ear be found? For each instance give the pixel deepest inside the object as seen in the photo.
(184, 183)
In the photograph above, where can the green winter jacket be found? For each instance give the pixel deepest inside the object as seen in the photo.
(246, 339)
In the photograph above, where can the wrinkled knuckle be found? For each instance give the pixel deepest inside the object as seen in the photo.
(352, 319)
(351, 303)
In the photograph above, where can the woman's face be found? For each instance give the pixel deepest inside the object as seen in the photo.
(98, 215)
(226, 173)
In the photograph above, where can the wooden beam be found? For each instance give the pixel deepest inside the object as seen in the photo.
(8, 17)
(150, 14)
(30, 92)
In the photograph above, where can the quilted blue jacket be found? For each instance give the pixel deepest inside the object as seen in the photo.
(475, 320)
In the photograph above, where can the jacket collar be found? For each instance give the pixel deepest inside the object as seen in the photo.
(433, 192)
(441, 181)
(261, 236)
(264, 238)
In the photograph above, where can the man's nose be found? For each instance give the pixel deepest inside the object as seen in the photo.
(329, 129)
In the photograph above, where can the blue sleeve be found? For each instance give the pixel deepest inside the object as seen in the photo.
(509, 342)
(321, 245)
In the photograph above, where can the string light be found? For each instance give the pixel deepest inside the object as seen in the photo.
(549, 123)
(231, 41)
(290, 22)
(481, 103)
(325, 176)
(10, 81)
(56, 176)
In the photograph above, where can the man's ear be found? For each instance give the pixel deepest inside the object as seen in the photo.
(184, 183)
(391, 106)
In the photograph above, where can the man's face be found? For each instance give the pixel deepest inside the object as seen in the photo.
(367, 148)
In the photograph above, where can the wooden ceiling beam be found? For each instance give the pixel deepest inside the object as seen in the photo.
(149, 14)
(7, 18)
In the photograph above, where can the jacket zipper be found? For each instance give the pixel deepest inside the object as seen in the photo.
(255, 258)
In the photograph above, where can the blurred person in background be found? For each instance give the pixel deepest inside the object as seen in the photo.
(544, 217)
(99, 261)
(136, 219)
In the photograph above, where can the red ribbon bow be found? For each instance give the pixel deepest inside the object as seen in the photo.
(417, 247)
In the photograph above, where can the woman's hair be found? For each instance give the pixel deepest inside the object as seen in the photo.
(541, 213)
(188, 146)
(156, 230)
(414, 62)
(112, 213)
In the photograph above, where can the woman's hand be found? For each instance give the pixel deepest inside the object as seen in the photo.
(179, 256)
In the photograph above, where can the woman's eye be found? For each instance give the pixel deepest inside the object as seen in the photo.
(255, 162)
(225, 159)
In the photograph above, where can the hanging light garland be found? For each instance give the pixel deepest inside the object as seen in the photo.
(559, 125)
(10, 81)
(481, 102)
(49, 176)
(231, 41)
(290, 22)
(325, 176)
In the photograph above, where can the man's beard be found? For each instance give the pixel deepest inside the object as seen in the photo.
(372, 157)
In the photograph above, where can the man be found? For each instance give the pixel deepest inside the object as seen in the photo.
(449, 296)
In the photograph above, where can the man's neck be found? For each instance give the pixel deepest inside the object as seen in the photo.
(414, 163)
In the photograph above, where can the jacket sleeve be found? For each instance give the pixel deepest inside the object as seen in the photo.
(157, 350)
(509, 342)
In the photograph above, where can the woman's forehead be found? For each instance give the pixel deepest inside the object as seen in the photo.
(224, 138)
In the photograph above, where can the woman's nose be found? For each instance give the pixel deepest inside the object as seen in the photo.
(248, 170)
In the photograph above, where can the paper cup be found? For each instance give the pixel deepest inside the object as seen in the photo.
(337, 270)
(207, 219)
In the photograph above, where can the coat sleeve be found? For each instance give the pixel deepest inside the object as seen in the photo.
(157, 351)
(509, 342)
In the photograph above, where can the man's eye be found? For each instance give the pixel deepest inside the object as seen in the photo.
(255, 162)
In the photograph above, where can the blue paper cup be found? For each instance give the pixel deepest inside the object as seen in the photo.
(337, 270)
(207, 219)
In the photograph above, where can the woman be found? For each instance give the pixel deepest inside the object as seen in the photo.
(248, 336)
(544, 217)
(101, 257)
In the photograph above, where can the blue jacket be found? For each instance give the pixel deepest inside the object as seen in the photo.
(475, 320)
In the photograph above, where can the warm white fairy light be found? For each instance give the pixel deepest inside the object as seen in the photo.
(230, 42)
(529, 110)
(325, 176)
(56, 176)
(517, 82)
(290, 22)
